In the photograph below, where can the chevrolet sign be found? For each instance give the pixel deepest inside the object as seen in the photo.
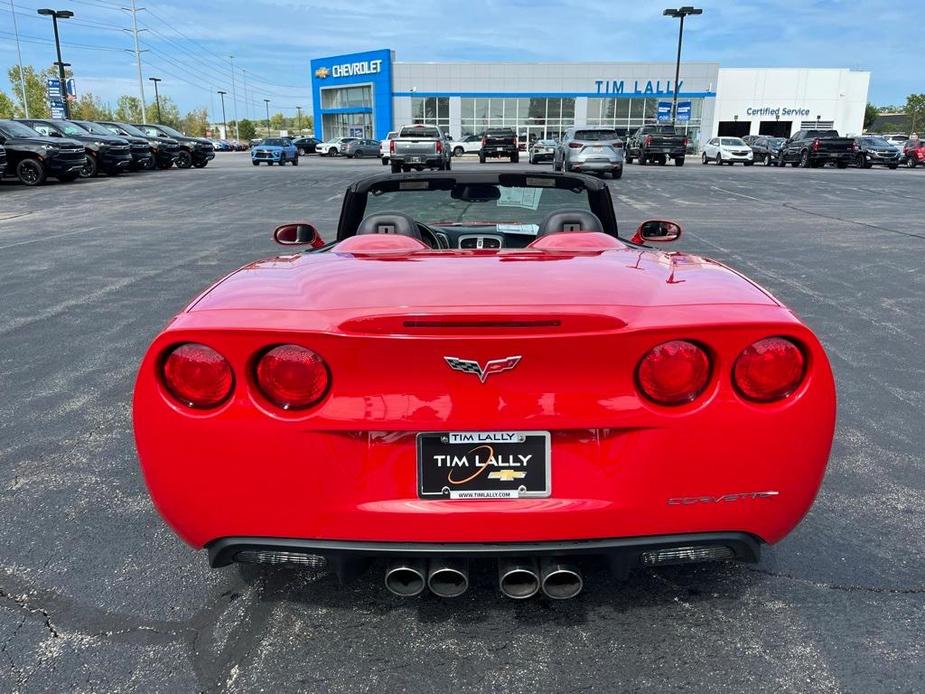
(367, 67)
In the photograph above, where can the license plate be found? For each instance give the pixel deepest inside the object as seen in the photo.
(597, 149)
(483, 465)
(414, 160)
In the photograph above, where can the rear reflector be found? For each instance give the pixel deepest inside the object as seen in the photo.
(684, 555)
(769, 369)
(674, 372)
(197, 375)
(292, 377)
(312, 561)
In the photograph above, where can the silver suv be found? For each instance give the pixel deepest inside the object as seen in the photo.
(590, 149)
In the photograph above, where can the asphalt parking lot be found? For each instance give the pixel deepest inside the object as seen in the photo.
(97, 594)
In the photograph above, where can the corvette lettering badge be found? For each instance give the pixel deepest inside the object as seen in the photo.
(495, 366)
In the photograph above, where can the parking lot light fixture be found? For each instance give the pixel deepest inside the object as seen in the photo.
(157, 97)
(679, 13)
(224, 124)
(55, 16)
(267, 102)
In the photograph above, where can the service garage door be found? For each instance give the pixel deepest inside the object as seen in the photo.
(734, 128)
(775, 128)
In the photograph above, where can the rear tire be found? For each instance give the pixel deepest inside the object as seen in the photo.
(617, 173)
(515, 158)
(255, 163)
(449, 165)
(481, 157)
(295, 162)
(679, 161)
(184, 160)
(703, 158)
(911, 163)
(719, 159)
(385, 161)
(643, 160)
(30, 172)
(804, 160)
(458, 152)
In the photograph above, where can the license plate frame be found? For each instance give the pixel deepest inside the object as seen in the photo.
(507, 476)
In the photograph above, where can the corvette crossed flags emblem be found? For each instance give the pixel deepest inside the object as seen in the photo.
(494, 366)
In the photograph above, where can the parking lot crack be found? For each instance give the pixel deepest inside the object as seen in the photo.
(791, 206)
(840, 586)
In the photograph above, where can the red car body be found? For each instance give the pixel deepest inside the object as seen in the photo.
(581, 310)
(914, 153)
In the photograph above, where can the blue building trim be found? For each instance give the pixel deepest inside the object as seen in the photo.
(556, 95)
(370, 67)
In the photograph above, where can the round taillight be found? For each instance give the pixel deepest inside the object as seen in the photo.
(769, 369)
(292, 377)
(197, 375)
(674, 372)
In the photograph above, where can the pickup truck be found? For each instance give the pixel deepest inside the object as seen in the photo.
(815, 148)
(419, 147)
(656, 143)
(499, 142)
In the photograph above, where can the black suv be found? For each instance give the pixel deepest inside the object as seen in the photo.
(499, 142)
(873, 149)
(766, 149)
(165, 150)
(194, 151)
(138, 146)
(105, 153)
(32, 157)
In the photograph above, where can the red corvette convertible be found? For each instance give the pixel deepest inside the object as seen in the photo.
(480, 367)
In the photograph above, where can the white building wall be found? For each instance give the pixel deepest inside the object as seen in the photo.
(837, 95)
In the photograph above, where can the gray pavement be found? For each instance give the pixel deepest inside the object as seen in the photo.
(97, 594)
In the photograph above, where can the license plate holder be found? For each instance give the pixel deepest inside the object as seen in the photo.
(483, 465)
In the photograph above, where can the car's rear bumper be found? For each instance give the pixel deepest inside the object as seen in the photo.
(595, 165)
(622, 554)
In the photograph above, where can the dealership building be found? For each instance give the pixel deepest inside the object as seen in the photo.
(368, 94)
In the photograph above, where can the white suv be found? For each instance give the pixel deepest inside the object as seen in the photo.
(384, 147)
(727, 150)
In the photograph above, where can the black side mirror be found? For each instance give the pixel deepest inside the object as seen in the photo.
(54, 133)
(657, 231)
(298, 234)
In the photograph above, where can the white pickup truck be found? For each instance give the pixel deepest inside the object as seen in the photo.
(419, 147)
(384, 147)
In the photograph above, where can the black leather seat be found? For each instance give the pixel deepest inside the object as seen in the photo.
(570, 220)
(390, 223)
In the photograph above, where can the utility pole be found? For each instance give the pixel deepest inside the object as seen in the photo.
(247, 113)
(267, 102)
(679, 13)
(157, 97)
(22, 77)
(234, 99)
(299, 111)
(224, 124)
(55, 16)
(141, 83)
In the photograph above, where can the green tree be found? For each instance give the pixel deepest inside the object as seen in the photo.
(128, 109)
(170, 113)
(915, 109)
(36, 91)
(278, 121)
(7, 107)
(246, 130)
(870, 115)
(89, 107)
(196, 122)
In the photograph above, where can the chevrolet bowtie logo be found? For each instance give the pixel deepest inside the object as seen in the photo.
(506, 475)
(322, 73)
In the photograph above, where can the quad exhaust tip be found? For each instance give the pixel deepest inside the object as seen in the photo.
(518, 579)
(405, 578)
(560, 580)
(448, 578)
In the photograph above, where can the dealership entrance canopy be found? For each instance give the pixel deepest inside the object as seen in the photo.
(369, 94)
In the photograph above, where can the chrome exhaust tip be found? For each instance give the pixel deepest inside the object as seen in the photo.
(405, 578)
(449, 578)
(518, 579)
(559, 580)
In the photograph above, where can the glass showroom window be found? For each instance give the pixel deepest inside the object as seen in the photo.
(347, 124)
(626, 115)
(347, 97)
(537, 117)
(431, 110)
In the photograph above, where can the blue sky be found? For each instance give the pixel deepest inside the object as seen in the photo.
(188, 43)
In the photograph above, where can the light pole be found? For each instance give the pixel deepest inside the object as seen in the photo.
(55, 16)
(267, 102)
(224, 125)
(22, 77)
(679, 13)
(157, 97)
(299, 111)
(234, 101)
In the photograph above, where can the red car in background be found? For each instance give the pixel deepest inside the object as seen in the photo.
(479, 367)
(914, 153)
